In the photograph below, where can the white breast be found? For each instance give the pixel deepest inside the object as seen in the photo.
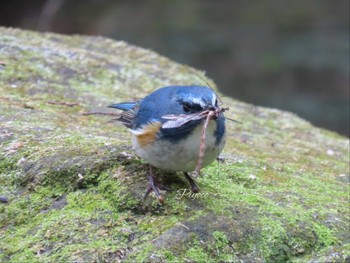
(182, 156)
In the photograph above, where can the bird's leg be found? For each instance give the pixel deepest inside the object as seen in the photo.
(194, 187)
(152, 186)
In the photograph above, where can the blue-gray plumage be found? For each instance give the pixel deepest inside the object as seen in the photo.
(177, 100)
(175, 148)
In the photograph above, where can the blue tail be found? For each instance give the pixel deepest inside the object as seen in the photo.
(128, 114)
(125, 106)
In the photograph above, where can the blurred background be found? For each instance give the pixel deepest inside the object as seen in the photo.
(292, 55)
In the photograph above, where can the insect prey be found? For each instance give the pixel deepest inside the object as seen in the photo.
(177, 120)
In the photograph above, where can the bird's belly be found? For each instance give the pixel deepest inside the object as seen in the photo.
(182, 155)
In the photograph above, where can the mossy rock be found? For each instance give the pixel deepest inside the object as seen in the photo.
(74, 186)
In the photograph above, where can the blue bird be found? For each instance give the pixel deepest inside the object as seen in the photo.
(166, 128)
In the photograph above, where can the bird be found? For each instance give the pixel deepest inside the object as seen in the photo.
(167, 126)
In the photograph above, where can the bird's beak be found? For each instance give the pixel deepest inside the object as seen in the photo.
(214, 109)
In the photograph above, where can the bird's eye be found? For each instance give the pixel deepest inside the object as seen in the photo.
(188, 107)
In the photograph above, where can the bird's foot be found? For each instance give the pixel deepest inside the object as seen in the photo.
(194, 187)
(153, 186)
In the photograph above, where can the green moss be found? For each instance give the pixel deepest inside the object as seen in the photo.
(197, 253)
(222, 249)
(325, 235)
(274, 244)
(7, 164)
(79, 225)
(75, 187)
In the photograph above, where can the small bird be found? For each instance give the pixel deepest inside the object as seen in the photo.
(167, 127)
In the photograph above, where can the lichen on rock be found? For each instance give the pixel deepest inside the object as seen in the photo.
(74, 186)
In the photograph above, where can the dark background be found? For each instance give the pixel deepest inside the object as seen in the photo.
(292, 55)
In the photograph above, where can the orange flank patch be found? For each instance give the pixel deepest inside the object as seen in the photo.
(148, 133)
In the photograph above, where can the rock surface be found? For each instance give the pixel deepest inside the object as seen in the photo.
(72, 186)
